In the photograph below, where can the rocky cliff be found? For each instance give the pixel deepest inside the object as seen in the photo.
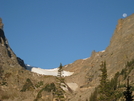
(116, 55)
(7, 56)
(119, 51)
(18, 84)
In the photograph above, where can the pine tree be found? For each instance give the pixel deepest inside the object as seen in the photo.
(60, 81)
(104, 88)
(93, 96)
(60, 71)
(128, 93)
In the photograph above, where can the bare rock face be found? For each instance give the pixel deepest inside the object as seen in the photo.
(116, 55)
(2, 36)
(1, 24)
(17, 83)
(7, 56)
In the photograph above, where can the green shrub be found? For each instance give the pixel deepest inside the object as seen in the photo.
(27, 86)
(4, 97)
(39, 84)
(50, 87)
(4, 83)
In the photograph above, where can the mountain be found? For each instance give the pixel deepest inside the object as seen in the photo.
(14, 78)
(117, 54)
(20, 82)
(8, 57)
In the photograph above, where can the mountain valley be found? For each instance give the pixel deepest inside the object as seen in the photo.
(21, 82)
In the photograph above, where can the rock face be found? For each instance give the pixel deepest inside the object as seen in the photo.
(18, 84)
(6, 54)
(116, 55)
(2, 36)
(1, 24)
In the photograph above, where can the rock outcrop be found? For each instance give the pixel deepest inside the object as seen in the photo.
(7, 56)
(1, 24)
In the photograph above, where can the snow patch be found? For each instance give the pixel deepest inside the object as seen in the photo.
(53, 72)
(103, 51)
(85, 59)
(65, 66)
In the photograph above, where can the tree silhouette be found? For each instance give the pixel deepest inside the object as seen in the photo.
(128, 93)
(104, 88)
(60, 82)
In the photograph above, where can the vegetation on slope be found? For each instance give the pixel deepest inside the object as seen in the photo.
(114, 89)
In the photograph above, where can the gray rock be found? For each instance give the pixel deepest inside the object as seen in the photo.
(1, 24)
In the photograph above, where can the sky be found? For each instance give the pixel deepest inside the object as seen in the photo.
(45, 33)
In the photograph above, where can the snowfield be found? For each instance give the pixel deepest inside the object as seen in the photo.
(103, 51)
(53, 72)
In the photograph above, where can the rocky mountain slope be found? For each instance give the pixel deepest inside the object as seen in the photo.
(19, 84)
(116, 55)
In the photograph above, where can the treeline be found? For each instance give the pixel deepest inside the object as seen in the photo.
(114, 90)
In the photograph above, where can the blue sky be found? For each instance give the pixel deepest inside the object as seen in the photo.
(45, 33)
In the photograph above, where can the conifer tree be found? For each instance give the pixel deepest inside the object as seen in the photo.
(128, 93)
(60, 71)
(104, 88)
(93, 96)
(60, 81)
